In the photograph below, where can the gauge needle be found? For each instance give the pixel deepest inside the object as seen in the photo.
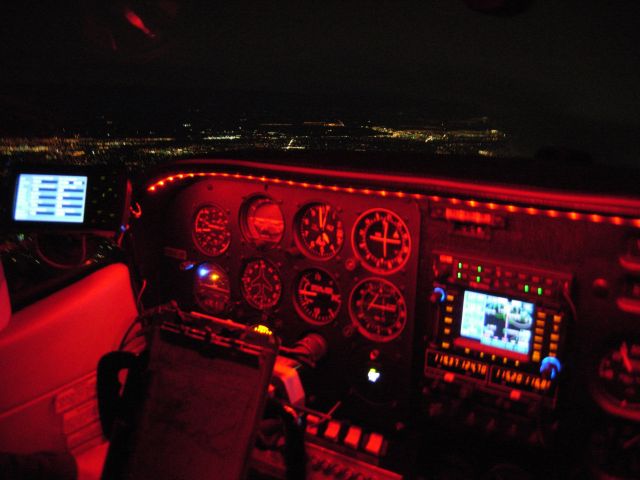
(372, 302)
(624, 353)
(323, 218)
(307, 293)
(384, 243)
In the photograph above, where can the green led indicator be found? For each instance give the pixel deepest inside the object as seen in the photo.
(459, 275)
(539, 290)
(478, 279)
(479, 268)
(526, 289)
(460, 265)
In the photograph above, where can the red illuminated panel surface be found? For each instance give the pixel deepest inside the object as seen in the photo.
(614, 204)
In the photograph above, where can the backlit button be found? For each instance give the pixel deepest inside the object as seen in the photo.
(541, 315)
(332, 431)
(312, 424)
(448, 309)
(448, 320)
(557, 318)
(555, 337)
(553, 347)
(535, 357)
(540, 323)
(449, 377)
(374, 444)
(447, 331)
(450, 298)
(539, 331)
(537, 339)
(354, 434)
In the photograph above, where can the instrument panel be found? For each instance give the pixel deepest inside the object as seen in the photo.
(303, 261)
(489, 318)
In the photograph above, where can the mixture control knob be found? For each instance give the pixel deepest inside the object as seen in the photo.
(550, 367)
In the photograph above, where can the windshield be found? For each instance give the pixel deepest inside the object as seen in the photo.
(147, 81)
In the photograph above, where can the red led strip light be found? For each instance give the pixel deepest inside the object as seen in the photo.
(572, 215)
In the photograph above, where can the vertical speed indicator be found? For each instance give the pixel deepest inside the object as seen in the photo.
(317, 297)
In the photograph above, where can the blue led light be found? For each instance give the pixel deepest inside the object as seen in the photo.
(203, 271)
(440, 291)
(551, 366)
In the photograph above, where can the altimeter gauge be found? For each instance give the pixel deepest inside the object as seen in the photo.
(320, 233)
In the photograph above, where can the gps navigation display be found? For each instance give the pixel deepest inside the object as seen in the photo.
(497, 322)
(50, 198)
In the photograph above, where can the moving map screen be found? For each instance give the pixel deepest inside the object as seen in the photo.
(498, 322)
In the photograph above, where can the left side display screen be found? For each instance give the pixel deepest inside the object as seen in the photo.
(50, 198)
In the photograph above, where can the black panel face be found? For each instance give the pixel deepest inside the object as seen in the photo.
(291, 265)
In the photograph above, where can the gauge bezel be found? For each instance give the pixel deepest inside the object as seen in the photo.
(299, 310)
(243, 220)
(300, 243)
(196, 280)
(606, 401)
(243, 291)
(356, 323)
(363, 260)
(196, 242)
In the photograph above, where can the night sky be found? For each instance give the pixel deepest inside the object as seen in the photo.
(565, 71)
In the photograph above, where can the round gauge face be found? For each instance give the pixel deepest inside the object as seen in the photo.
(212, 289)
(211, 232)
(382, 241)
(317, 297)
(262, 222)
(320, 233)
(617, 388)
(261, 284)
(378, 309)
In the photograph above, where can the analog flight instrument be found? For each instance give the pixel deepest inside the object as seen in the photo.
(320, 233)
(261, 221)
(378, 309)
(617, 386)
(317, 297)
(211, 232)
(261, 284)
(382, 241)
(212, 289)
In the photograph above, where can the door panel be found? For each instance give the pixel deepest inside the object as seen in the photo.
(48, 356)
